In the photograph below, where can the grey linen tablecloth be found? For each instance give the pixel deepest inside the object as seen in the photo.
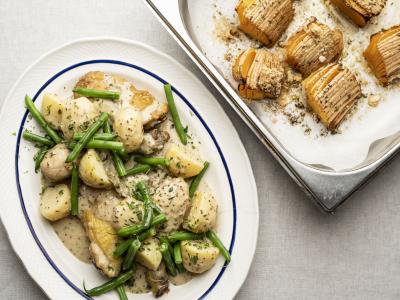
(301, 253)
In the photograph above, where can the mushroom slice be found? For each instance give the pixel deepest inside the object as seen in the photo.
(360, 11)
(331, 93)
(262, 75)
(265, 20)
(103, 240)
(313, 46)
(383, 55)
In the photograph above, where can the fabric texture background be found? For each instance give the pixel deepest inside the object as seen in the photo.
(301, 253)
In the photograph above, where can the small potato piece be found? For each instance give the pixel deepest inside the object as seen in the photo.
(55, 202)
(383, 55)
(243, 64)
(129, 128)
(203, 213)
(53, 165)
(199, 255)
(265, 20)
(92, 172)
(52, 110)
(128, 212)
(149, 255)
(184, 162)
(77, 116)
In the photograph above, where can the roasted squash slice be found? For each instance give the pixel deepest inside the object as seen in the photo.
(265, 20)
(383, 55)
(313, 46)
(331, 93)
(360, 11)
(261, 73)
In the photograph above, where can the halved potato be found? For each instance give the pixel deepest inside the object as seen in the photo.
(331, 92)
(92, 172)
(149, 254)
(198, 256)
(52, 109)
(129, 128)
(55, 202)
(383, 55)
(313, 46)
(53, 165)
(183, 161)
(265, 20)
(203, 213)
(360, 11)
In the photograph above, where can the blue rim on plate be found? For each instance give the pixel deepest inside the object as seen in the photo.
(46, 255)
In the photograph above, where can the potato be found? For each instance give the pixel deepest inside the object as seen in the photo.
(184, 162)
(149, 255)
(55, 202)
(52, 110)
(53, 165)
(77, 116)
(92, 172)
(203, 213)
(199, 255)
(128, 212)
(129, 128)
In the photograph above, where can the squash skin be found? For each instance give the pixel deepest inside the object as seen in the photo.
(331, 93)
(313, 46)
(360, 11)
(261, 74)
(265, 20)
(383, 55)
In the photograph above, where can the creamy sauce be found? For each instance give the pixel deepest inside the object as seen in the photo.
(138, 284)
(181, 279)
(71, 232)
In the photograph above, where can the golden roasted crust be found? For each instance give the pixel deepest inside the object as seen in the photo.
(331, 92)
(383, 55)
(103, 240)
(313, 46)
(360, 11)
(265, 20)
(261, 73)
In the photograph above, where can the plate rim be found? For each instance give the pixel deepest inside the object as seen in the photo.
(154, 75)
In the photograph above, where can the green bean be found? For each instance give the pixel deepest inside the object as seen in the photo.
(175, 116)
(177, 253)
(164, 239)
(97, 136)
(130, 256)
(39, 157)
(136, 229)
(122, 247)
(40, 119)
(184, 236)
(109, 285)
(123, 154)
(148, 209)
(99, 144)
(29, 136)
(148, 215)
(143, 191)
(196, 180)
(147, 234)
(180, 268)
(168, 259)
(153, 161)
(74, 190)
(138, 169)
(87, 137)
(121, 292)
(212, 236)
(103, 94)
(118, 163)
